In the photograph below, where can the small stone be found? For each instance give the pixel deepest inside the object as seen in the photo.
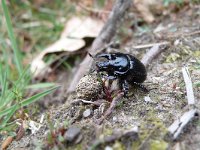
(177, 42)
(166, 105)
(87, 113)
(72, 133)
(108, 148)
(114, 118)
(148, 99)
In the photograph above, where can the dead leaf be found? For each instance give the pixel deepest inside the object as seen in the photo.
(20, 132)
(76, 31)
(80, 28)
(147, 8)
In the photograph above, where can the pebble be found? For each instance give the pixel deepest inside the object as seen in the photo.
(87, 113)
(72, 133)
(114, 118)
(148, 99)
(108, 148)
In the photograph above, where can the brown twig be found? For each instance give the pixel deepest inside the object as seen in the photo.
(183, 34)
(6, 142)
(152, 53)
(105, 36)
(110, 109)
(150, 45)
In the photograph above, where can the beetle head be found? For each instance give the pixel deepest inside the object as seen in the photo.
(101, 61)
(102, 65)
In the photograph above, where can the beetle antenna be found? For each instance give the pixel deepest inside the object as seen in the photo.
(91, 55)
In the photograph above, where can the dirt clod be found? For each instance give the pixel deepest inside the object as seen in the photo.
(89, 87)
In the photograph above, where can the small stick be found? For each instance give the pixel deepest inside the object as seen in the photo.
(111, 108)
(184, 34)
(178, 125)
(151, 54)
(96, 103)
(150, 45)
(188, 84)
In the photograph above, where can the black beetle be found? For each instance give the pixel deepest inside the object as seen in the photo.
(125, 67)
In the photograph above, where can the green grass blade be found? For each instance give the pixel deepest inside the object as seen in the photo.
(27, 101)
(10, 114)
(36, 97)
(20, 84)
(3, 84)
(12, 37)
(40, 85)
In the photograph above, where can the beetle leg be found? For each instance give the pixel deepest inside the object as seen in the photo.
(124, 86)
(141, 87)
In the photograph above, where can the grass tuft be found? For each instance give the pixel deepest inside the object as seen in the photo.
(13, 90)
